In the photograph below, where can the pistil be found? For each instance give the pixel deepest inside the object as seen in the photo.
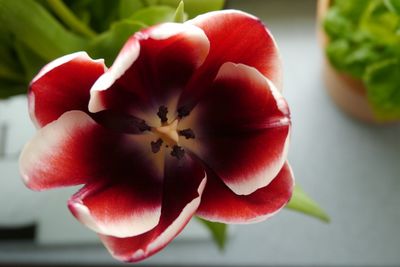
(168, 133)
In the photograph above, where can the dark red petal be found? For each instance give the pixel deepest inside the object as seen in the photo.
(236, 37)
(242, 129)
(219, 203)
(75, 149)
(184, 183)
(63, 85)
(151, 69)
(121, 209)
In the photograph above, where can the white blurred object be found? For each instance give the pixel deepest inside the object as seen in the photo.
(18, 205)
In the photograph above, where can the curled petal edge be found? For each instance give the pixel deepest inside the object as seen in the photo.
(130, 226)
(131, 51)
(62, 60)
(166, 236)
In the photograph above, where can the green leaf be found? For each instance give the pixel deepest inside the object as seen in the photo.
(337, 51)
(393, 5)
(179, 15)
(383, 88)
(301, 202)
(352, 9)
(128, 7)
(10, 69)
(379, 24)
(7, 54)
(196, 7)
(154, 15)
(7, 74)
(351, 57)
(218, 232)
(150, 2)
(108, 44)
(31, 24)
(12, 79)
(30, 61)
(99, 15)
(336, 25)
(70, 19)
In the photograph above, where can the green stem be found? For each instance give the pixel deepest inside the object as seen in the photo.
(69, 18)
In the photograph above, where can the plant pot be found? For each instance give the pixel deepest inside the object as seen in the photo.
(347, 92)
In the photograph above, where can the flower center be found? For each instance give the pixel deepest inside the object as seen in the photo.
(168, 133)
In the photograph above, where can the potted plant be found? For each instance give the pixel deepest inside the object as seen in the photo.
(361, 42)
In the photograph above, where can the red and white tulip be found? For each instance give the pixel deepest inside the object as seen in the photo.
(189, 120)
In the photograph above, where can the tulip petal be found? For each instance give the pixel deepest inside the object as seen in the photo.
(63, 85)
(220, 204)
(124, 209)
(184, 183)
(236, 37)
(151, 69)
(242, 129)
(75, 149)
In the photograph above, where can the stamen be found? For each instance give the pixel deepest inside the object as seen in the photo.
(177, 152)
(142, 126)
(183, 111)
(120, 122)
(156, 146)
(187, 133)
(162, 113)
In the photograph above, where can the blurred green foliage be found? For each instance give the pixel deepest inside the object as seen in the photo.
(34, 32)
(365, 43)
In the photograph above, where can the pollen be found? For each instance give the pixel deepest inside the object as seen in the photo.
(162, 114)
(187, 133)
(178, 152)
(156, 145)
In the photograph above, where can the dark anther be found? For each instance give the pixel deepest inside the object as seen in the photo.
(162, 113)
(120, 122)
(142, 126)
(156, 146)
(187, 133)
(183, 112)
(177, 152)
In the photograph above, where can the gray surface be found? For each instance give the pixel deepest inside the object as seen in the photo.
(351, 169)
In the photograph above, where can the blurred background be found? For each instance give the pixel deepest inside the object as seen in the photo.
(349, 166)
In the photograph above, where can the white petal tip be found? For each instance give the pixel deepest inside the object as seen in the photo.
(205, 17)
(62, 60)
(129, 226)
